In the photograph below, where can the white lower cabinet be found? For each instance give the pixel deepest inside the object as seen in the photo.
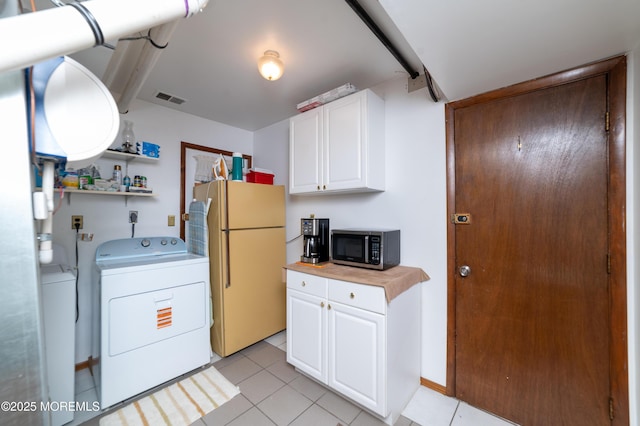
(307, 332)
(345, 336)
(356, 355)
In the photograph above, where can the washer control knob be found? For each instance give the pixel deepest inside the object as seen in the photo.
(174, 242)
(145, 243)
(163, 242)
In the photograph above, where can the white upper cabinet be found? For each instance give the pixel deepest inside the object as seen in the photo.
(305, 152)
(338, 147)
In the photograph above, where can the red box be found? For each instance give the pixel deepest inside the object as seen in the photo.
(257, 177)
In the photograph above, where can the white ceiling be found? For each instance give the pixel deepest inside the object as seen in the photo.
(468, 46)
(472, 46)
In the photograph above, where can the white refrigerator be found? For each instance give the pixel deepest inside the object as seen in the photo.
(246, 228)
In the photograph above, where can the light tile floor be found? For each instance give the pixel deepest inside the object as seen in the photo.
(273, 393)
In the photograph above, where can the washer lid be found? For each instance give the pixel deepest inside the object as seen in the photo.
(140, 248)
(140, 264)
(50, 274)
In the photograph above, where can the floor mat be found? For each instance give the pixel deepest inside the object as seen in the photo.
(179, 404)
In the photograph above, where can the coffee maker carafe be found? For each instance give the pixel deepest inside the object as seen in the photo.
(316, 240)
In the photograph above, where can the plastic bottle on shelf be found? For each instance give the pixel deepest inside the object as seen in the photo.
(117, 174)
(126, 181)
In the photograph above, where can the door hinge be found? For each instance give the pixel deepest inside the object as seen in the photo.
(611, 409)
(606, 121)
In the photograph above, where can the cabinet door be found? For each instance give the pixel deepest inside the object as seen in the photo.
(307, 333)
(357, 355)
(305, 152)
(344, 137)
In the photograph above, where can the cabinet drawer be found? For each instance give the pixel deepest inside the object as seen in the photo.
(362, 296)
(306, 283)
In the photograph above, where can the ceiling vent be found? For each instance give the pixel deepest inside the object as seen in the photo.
(170, 98)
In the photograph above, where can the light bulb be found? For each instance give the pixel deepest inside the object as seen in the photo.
(270, 65)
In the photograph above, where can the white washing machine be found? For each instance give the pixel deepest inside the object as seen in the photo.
(153, 313)
(59, 316)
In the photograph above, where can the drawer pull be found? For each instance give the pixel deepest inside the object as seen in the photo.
(329, 307)
(304, 283)
(352, 296)
(322, 304)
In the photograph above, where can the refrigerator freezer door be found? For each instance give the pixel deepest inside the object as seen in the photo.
(254, 304)
(250, 205)
(254, 205)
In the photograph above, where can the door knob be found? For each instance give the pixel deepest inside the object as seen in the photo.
(464, 270)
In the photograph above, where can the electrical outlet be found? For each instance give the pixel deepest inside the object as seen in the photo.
(171, 221)
(133, 216)
(76, 222)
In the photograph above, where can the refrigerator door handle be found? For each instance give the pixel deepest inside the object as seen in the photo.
(227, 283)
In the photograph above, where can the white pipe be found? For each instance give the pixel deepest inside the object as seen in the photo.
(118, 58)
(33, 37)
(144, 64)
(46, 245)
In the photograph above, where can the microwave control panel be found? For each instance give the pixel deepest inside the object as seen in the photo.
(374, 250)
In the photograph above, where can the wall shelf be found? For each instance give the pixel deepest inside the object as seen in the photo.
(125, 156)
(118, 156)
(126, 195)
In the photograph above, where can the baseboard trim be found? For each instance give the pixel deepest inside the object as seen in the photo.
(82, 365)
(89, 363)
(433, 385)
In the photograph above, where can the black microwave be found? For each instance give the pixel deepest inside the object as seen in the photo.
(366, 248)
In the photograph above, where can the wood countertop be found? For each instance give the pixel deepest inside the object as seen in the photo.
(395, 280)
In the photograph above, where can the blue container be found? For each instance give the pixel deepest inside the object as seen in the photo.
(236, 169)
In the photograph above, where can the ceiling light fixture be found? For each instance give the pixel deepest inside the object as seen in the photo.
(270, 65)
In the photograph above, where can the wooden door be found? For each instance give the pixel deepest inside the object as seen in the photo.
(533, 331)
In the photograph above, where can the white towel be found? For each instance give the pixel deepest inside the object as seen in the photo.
(198, 241)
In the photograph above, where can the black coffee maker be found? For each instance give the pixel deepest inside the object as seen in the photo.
(316, 240)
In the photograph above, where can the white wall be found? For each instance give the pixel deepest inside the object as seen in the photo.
(107, 217)
(414, 202)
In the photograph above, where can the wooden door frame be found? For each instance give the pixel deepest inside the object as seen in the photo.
(616, 72)
(183, 168)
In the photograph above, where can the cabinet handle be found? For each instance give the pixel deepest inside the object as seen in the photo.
(329, 307)
(352, 295)
(318, 187)
(322, 304)
(324, 187)
(304, 283)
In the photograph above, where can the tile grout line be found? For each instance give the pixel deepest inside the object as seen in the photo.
(453, 417)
